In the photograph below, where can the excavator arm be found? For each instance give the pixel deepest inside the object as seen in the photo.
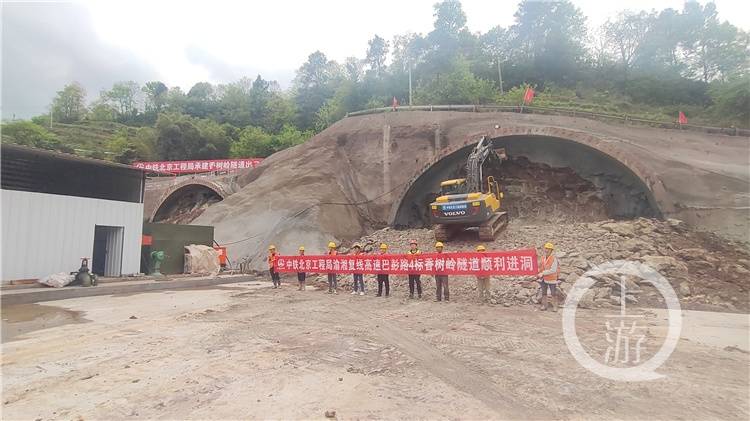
(482, 152)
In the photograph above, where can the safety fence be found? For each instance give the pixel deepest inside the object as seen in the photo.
(623, 119)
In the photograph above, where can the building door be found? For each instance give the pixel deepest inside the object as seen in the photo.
(107, 255)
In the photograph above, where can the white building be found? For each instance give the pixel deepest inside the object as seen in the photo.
(58, 208)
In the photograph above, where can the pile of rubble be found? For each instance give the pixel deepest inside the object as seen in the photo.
(706, 271)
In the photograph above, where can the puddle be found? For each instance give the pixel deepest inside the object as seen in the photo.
(20, 319)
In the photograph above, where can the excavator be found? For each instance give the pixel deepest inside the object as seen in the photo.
(472, 201)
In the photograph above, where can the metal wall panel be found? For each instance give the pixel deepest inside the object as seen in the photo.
(46, 233)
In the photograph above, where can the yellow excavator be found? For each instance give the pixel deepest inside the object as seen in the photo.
(472, 201)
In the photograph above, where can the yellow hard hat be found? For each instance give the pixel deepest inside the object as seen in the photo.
(439, 244)
(331, 245)
(272, 247)
(383, 246)
(549, 246)
(301, 248)
(481, 248)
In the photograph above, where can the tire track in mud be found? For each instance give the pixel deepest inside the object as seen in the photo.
(450, 370)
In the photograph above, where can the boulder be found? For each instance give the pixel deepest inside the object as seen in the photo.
(587, 300)
(665, 264)
(624, 229)
(684, 289)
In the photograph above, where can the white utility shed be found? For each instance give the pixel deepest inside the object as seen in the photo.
(58, 208)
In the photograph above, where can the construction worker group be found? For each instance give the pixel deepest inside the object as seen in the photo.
(548, 276)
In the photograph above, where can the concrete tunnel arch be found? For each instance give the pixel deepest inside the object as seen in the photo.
(187, 188)
(593, 158)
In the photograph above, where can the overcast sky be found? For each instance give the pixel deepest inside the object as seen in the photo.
(46, 45)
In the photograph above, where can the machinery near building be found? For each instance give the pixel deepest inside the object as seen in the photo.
(472, 201)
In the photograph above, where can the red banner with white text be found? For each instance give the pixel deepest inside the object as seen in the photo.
(197, 166)
(516, 262)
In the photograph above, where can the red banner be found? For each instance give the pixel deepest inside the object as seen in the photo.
(188, 167)
(516, 262)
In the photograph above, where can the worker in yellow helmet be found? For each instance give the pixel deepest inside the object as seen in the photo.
(441, 279)
(332, 281)
(383, 277)
(359, 281)
(414, 278)
(272, 256)
(483, 281)
(301, 275)
(549, 276)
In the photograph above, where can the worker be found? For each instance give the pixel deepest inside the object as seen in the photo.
(441, 280)
(272, 256)
(414, 279)
(483, 281)
(332, 282)
(359, 282)
(383, 277)
(301, 275)
(549, 276)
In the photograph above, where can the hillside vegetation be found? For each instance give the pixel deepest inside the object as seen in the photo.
(649, 65)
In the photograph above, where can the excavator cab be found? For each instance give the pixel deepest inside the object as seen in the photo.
(455, 186)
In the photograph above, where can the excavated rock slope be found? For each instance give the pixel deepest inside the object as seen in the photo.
(348, 180)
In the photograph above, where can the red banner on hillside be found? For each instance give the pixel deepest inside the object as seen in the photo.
(197, 166)
(516, 262)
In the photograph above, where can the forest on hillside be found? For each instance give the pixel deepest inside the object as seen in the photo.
(648, 64)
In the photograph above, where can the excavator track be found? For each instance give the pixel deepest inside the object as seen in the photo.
(489, 229)
(442, 232)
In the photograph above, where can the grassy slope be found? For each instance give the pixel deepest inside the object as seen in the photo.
(90, 137)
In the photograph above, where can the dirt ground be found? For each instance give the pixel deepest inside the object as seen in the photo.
(249, 351)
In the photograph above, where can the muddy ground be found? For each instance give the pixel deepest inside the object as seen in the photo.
(249, 351)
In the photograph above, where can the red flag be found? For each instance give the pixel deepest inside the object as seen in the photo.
(682, 119)
(528, 95)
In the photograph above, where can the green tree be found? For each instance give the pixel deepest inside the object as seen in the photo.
(156, 96)
(234, 103)
(626, 35)
(180, 136)
(550, 35)
(459, 86)
(30, 134)
(253, 142)
(69, 105)
(123, 98)
(314, 84)
(712, 49)
(377, 53)
(201, 100)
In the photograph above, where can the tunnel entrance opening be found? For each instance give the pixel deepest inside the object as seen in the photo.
(544, 179)
(185, 204)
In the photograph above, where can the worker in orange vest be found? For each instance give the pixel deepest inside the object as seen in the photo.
(483, 281)
(272, 256)
(332, 281)
(549, 276)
